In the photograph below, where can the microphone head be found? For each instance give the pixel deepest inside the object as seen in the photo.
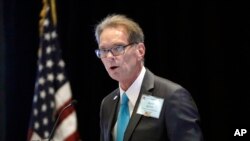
(73, 102)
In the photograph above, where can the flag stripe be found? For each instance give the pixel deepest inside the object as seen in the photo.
(34, 136)
(66, 128)
(73, 136)
(65, 114)
(63, 95)
(63, 106)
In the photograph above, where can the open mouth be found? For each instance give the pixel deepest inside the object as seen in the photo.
(113, 67)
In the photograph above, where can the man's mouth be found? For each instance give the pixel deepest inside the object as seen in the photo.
(113, 67)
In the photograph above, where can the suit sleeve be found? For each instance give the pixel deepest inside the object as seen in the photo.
(182, 117)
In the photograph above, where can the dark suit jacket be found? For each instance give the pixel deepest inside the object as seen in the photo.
(178, 119)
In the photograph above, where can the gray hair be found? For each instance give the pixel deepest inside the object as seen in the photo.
(135, 33)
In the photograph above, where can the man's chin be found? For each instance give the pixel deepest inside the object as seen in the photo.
(114, 76)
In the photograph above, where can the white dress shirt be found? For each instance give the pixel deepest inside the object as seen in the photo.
(132, 93)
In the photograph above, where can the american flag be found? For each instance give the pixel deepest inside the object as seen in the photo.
(52, 88)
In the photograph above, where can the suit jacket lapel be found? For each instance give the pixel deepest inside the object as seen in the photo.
(112, 119)
(146, 88)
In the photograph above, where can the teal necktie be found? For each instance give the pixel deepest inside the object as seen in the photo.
(123, 118)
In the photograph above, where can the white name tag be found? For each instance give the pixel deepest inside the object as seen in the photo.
(150, 106)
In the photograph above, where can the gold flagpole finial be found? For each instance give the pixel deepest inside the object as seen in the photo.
(42, 16)
(46, 5)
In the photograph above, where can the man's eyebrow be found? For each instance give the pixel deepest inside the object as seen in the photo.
(113, 45)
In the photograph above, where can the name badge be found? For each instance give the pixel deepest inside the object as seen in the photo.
(150, 106)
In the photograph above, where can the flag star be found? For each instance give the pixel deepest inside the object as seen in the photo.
(46, 134)
(53, 34)
(47, 36)
(45, 121)
(37, 125)
(39, 53)
(44, 107)
(36, 87)
(49, 63)
(51, 90)
(40, 67)
(43, 94)
(48, 50)
(50, 77)
(60, 77)
(41, 81)
(52, 104)
(35, 112)
(61, 63)
(46, 22)
(35, 99)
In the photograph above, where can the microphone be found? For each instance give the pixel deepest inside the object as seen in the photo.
(72, 103)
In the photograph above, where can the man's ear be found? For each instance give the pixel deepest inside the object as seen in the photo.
(141, 50)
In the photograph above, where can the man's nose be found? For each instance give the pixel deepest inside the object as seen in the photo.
(109, 54)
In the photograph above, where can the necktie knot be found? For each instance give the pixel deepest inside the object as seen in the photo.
(124, 99)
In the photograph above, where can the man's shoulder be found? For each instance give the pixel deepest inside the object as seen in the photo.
(165, 81)
(159, 80)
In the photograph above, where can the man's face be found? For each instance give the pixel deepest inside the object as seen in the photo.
(125, 66)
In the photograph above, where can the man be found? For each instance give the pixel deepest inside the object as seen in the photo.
(155, 108)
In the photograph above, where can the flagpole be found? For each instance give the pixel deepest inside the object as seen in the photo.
(53, 11)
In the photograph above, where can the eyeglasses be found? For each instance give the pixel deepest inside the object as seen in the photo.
(116, 51)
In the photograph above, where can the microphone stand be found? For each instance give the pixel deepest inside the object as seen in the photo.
(53, 129)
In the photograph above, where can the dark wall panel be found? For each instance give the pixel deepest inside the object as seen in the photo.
(2, 69)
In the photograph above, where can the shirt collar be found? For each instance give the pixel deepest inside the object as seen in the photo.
(134, 90)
